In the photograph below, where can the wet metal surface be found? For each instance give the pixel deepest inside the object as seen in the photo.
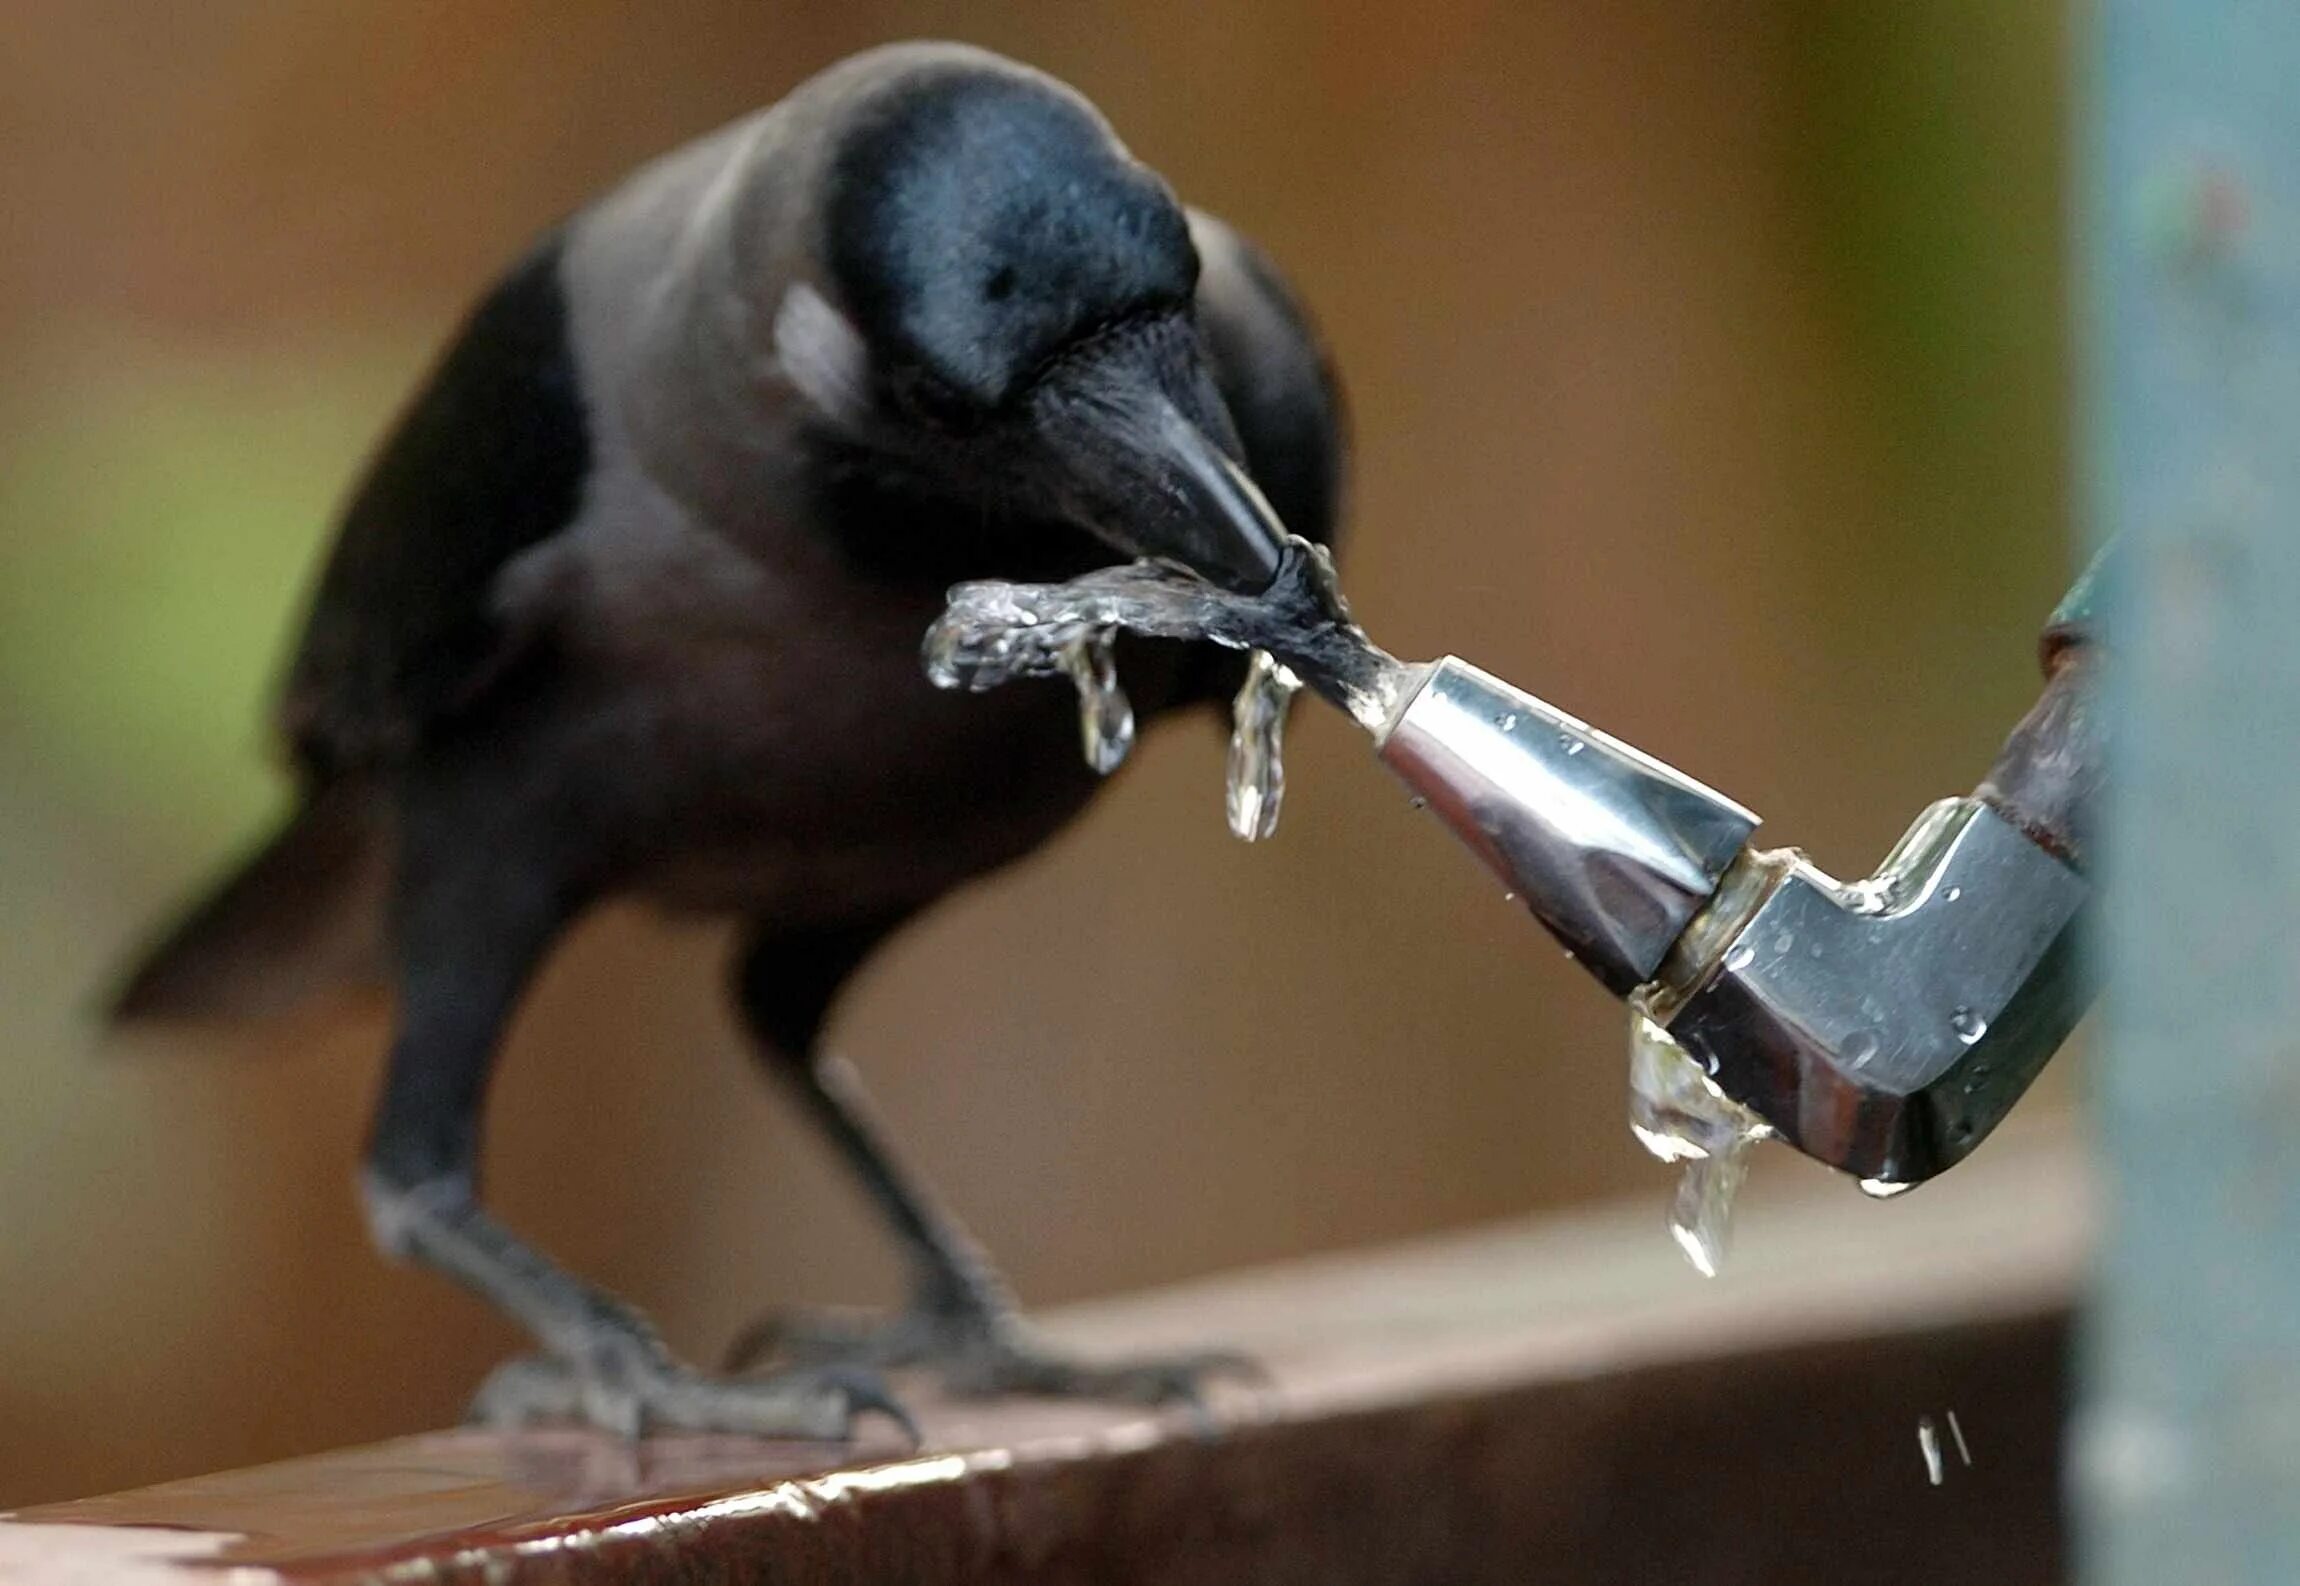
(1612, 850)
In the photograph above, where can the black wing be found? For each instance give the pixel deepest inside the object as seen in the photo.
(488, 460)
(1275, 378)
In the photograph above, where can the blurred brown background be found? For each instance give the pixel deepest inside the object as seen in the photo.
(1707, 366)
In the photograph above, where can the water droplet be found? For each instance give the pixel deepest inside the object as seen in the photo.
(1970, 1026)
(1813, 948)
(1507, 721)
(1955, 893)
(1574, 748)
(1257, 775)
(1964, 1454)
(1105, 717)
(1740, 958)
(1929, 1445)
(1783, 942)
(1878, 1189)
(1509, 897)
(1417, 802)
(991, 632)
(1861, 1048)
(1678, 1113)
(940, 652)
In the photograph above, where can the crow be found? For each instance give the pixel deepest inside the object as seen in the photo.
(629, 603)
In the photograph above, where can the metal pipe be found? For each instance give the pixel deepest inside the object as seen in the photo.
(1612, 850)
(1883, 1026)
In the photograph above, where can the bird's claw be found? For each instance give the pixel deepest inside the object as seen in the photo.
(1181, 1381)
(985, 1355)
(631, 1399)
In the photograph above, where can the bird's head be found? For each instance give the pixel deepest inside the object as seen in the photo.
(1003, 306)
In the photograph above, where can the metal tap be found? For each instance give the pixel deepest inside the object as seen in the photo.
(1883, 1026)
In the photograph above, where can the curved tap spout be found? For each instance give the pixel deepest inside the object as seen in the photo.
(1887, 1025)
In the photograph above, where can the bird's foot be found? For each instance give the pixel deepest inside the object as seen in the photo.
(979, 1352)
(632, 1392)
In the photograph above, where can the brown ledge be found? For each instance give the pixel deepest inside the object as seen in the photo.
(1556, 1402)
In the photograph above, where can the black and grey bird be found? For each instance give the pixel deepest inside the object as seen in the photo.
(629, 604)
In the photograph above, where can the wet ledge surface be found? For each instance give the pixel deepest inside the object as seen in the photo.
(1559, 1401)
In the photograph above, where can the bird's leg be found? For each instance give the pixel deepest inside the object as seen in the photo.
(466, 947)
(961, 1319)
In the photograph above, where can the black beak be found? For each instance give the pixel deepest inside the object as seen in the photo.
(1144, 451)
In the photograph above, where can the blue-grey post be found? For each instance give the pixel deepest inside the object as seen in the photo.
(2186, 1448)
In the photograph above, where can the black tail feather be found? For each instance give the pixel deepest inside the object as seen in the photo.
(300, 919)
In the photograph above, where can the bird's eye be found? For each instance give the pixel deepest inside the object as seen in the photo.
(928, 397)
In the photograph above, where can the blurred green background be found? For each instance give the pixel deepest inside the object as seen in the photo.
(1709, 375)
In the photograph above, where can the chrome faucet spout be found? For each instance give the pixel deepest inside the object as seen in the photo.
(1613, 851)
(1883, 1026)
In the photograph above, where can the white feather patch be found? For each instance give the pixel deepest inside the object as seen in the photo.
(822, 355)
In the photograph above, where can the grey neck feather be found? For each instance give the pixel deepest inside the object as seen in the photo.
(673, 282)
